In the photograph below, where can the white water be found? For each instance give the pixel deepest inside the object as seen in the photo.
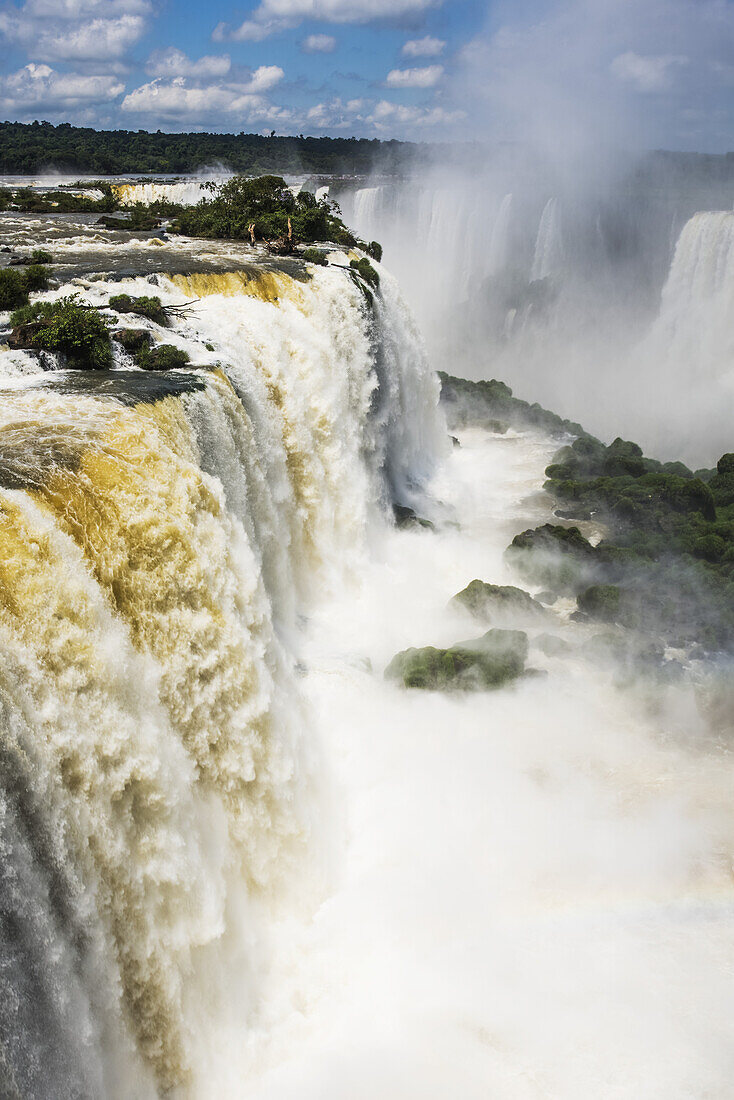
(534, 895)
(548, 258)
(294, 879)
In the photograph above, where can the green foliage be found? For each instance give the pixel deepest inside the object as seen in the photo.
(601, 601)
(133, 339)
(13, 289)
(374, 249)
(70, 328)
(315, 256)
(479, 665)
(35, 278)
(40, 256)
(366, 271)
(162, 357)
(266, 208)
(28, 149)
(16, 284)
(143, 306)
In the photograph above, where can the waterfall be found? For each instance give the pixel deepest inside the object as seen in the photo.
(160, 536)
(185, 192)
(366, 209)
(548, 258)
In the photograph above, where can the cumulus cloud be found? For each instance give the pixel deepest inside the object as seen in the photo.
(173, 62)
(180, 99)
(39, 86)
(423, 47)
(318, 43)
(386, 115)
(647, 74)
(76, 30)
(277, 15)
(414, 78)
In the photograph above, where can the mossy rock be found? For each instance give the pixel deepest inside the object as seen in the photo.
(482, 664)
(492, 601)
(558, 558)
(601, 601)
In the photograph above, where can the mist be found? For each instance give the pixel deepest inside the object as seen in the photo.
(545, 256)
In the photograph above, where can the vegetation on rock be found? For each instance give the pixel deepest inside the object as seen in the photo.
(315, 256)
(144, 306)
(263, 209)
(478, 665)
(490, 601)
(162, 357)
(70, 328)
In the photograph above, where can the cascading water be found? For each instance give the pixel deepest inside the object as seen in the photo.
(160, 535)
(548, 258)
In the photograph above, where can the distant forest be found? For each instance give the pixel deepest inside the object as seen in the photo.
(28, 148)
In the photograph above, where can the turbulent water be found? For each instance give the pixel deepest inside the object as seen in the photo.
(234, 860)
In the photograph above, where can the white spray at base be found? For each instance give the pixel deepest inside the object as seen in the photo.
(535, 897)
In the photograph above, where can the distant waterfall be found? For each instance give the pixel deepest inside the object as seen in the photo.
(159, 536)
(548, 258)
(185, 192)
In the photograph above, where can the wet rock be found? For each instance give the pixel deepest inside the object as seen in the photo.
(481, 664)
(408, 517)
(492, 601)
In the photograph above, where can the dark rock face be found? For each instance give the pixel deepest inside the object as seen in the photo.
(408, 517)
(497, 601)
(495, 659)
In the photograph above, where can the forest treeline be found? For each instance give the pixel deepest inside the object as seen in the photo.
(29, 148)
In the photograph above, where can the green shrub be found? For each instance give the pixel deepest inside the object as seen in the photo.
(315, 256)
(374, 249)
(35, 278)
(70, 328)
(13, 289)
(162, 357)
(143, 306)
(133, 339)
(366, 271)
(40, 256)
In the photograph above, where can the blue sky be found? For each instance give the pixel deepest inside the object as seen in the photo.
(645, 72)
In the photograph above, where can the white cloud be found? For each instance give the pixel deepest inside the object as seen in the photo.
(179, 99)
(387, 114)
(76, 30)
(173, 62)
(277, 15)
(414, 78)
(647, 73)
(39, 86)
(318, 43)
(423, 47)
